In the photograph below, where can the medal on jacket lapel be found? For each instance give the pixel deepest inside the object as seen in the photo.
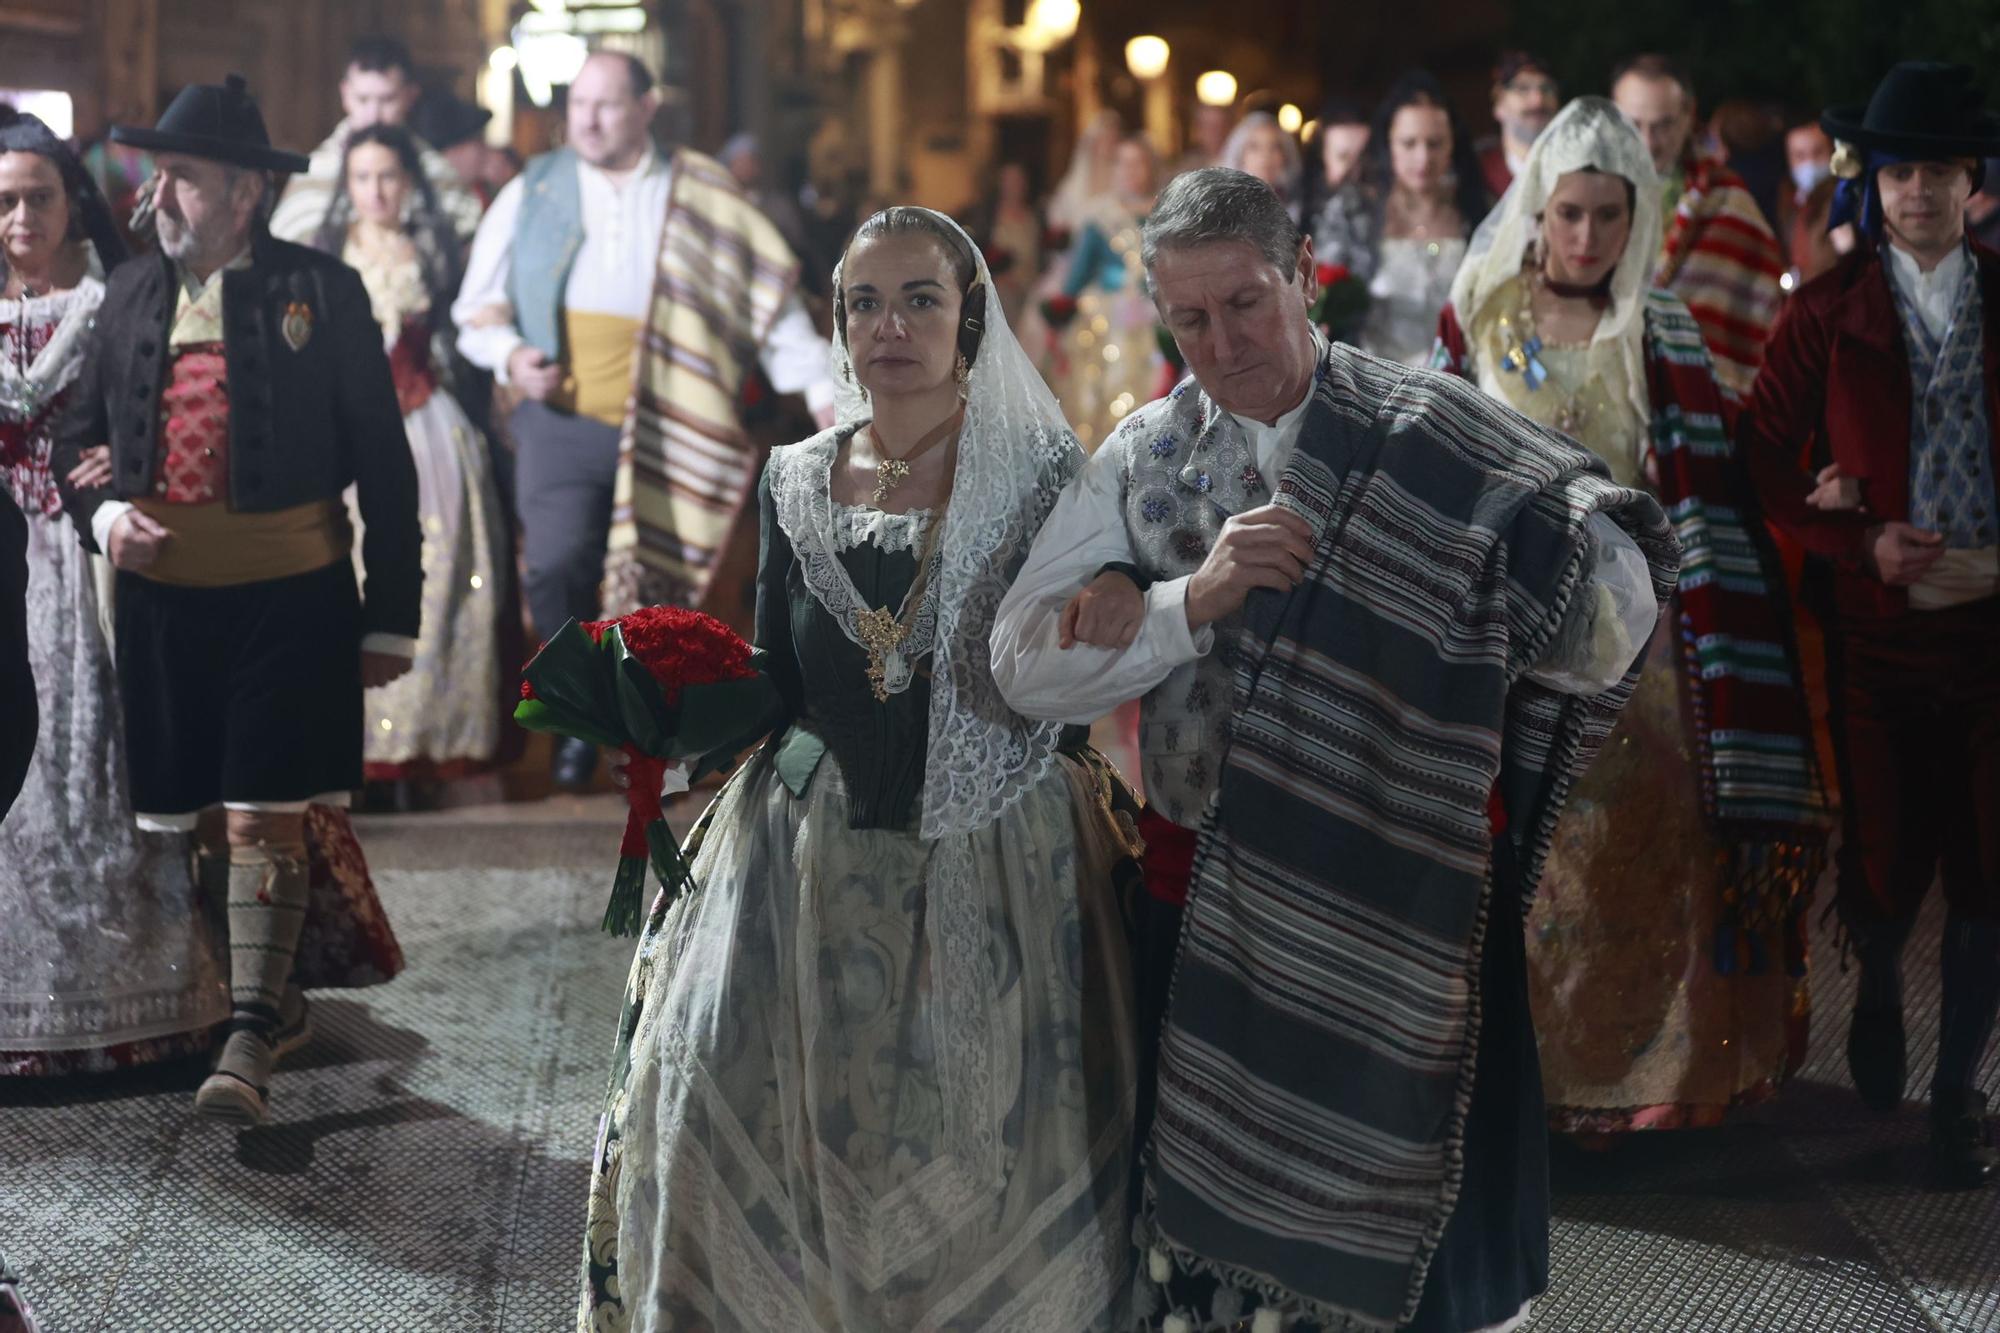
(297, 326)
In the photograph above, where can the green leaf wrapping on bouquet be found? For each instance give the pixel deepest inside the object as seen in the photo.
(572, 681)
(625, 913)
(642, 704)
(676, 876)
(724, 715)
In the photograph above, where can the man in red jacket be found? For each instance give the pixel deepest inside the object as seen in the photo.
(1886, 369)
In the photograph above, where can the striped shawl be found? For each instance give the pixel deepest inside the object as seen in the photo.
(1722, 259)
(685, 468)
(1317, 1061)
(1760, 785)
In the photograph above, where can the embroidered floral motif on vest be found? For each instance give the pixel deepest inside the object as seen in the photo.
(194, 435)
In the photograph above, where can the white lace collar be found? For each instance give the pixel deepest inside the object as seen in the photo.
(24, 393)
(802, 492)
(859, 525)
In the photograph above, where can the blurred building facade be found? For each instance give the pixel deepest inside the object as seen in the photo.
(869, 100)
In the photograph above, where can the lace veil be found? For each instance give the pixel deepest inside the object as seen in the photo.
(1015, 454)
(1589, 132)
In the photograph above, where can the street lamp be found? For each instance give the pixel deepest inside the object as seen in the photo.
(1146, 57)
(1216, 88)
(1290, 118)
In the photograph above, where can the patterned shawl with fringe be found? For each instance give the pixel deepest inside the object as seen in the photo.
(686, 470)
(1316, 1066)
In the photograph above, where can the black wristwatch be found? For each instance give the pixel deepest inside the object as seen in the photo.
(1139, 581)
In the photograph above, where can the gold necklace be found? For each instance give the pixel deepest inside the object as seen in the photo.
(883, 632)
(893, 472)
(1572, 412)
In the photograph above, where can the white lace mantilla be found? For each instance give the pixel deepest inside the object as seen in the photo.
(1015, 454)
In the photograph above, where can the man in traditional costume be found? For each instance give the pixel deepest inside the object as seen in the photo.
(1526, 98)
(242, 387)
(378, 87)
(1384, 622)
(1887, 368)
(622, 292)
(1719, 254)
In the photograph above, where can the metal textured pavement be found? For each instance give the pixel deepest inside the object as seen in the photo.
(426, 1165)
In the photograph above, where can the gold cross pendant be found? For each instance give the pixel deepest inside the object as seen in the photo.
(889, 474)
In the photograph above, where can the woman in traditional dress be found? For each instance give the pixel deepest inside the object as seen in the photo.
(442, 719)
(1109, 356)
(105, 959)
(876, 1071)
(1259, 145)
(1665, 948)
(1089, 178)
(1404, 233)
(1010, 235)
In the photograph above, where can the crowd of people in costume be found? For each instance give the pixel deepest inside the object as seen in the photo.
(1482, 647)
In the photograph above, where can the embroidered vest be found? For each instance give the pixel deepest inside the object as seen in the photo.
(548, 232)
(1188, 469)
(193, 462)
(1951, 454)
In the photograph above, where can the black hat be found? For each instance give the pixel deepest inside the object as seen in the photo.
(1921, 109)
(444, 121)
(219, 123)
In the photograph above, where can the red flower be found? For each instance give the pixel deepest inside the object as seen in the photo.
(678, 646)
(1331, 274)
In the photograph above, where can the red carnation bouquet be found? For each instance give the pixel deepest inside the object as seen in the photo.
(1342, 303)
(1059, 310)
(665, 685)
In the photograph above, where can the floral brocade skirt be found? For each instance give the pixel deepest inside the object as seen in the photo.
(1638, 1029)
(443, 718)
(868, 1082)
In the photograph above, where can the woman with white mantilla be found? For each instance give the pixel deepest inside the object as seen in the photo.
(877, 1071)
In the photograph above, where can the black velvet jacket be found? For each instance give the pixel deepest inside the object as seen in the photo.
(305, 422)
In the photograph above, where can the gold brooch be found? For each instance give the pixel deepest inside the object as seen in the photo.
(297, 326)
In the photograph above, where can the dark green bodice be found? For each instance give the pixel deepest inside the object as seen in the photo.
(822, 675)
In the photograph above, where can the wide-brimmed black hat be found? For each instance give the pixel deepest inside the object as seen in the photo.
(1921, 109)
(218, 122)
(444, 121)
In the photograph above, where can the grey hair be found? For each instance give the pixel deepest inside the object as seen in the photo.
(267, 192)
(1219, 204)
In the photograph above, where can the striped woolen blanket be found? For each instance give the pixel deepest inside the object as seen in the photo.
(1722, 259)
(1317, 1061)
(1760, 784)
(685, 468)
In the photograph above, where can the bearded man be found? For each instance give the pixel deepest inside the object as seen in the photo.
(242, 387)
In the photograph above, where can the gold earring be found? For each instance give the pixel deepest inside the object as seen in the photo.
(962, 371)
